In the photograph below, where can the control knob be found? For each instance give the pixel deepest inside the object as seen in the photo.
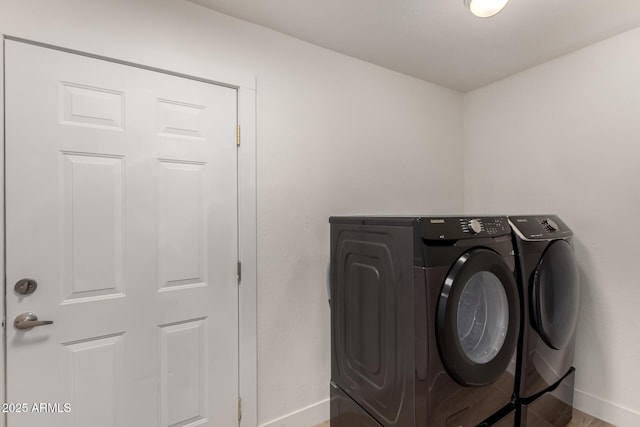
(474, 226)
(550, 225)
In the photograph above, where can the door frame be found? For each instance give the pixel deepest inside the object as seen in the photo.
(247, 224)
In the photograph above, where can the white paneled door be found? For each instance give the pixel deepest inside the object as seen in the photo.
(121, 205)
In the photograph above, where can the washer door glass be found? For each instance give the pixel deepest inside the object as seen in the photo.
(478, 318)
(555, 295)
(483, 317)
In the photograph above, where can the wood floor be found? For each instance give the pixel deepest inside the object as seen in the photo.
(580, 419)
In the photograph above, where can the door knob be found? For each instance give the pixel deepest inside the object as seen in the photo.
(29, 320)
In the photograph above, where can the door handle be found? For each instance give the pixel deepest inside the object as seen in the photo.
(29, 320)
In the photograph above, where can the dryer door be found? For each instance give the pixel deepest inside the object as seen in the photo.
(478, 318)
(555, 295)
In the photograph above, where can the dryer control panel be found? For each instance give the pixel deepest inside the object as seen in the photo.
(456, 228)
(539, 227)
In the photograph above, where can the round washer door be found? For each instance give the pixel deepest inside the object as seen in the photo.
(478, 318)
(555, 295)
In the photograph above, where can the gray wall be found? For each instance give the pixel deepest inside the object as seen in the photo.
(340, 136)
(564, 137)
(335, 136)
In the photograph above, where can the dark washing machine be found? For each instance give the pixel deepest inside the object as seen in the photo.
(425, 317)
(549, 287)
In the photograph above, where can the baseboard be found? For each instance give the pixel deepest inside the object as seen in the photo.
(606, 411)
(306, 417)
(610, 412)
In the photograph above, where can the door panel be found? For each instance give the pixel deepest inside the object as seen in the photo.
(121, 202)
(92, 226)
(86, 363)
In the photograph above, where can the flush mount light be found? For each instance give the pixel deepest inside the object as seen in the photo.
(485, 8)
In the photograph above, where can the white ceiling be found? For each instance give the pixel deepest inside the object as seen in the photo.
(439, 40)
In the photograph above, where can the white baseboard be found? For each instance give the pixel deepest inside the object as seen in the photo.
(610, 412)
(606, 411)
(306, 417)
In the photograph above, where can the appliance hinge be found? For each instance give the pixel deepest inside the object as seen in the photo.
(239, 409)
(239, 270)
(238, 135)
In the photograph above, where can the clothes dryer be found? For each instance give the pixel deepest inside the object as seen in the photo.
(425, 317)
(550, 294)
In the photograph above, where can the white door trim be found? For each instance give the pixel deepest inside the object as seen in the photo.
(247, 223)
(3, 389)
(247, 246)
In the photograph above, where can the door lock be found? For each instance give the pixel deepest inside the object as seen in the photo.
(26, 286)
(28, 321)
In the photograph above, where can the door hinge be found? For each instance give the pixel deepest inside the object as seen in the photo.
(238, 135)
(239, 409)
(239, 270)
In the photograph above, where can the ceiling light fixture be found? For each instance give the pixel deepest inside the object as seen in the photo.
(485, 8)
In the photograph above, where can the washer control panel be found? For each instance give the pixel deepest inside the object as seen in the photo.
(456, 228)
(539, 227)
(491, 226)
